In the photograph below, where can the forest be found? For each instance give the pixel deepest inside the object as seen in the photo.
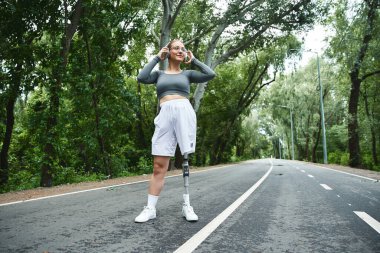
(72, 109)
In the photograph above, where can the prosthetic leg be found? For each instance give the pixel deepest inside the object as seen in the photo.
(186, 173)
(187, 210)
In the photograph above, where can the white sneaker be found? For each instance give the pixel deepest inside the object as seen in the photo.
(188, 213)
(147, 214)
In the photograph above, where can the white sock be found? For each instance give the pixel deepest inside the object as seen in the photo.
(152, 200)
(186, 199)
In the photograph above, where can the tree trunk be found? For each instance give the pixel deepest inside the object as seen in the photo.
(307, 149)
(316, 135)
(201, 87)
(95, 107)
(140, 131)
(51, 135)
(13, 94)
(372, 127)
(353, 128)
(54, 91)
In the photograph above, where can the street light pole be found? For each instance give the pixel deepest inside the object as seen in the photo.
(322, 109)
(322, 113)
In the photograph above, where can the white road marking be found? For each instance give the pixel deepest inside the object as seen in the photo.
(303, 171)
(105, 187)
(199, 237)
(338, 196)
(326, 187)
(369, 220)
(310, 175)
(375, 180)
(349, 204)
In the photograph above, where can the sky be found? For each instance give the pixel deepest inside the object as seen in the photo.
(315, 41)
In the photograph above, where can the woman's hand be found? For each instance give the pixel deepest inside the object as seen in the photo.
(163, 52)
(190, 57)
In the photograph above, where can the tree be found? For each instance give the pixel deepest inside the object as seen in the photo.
(255, 23)
(54, 90)
(356, 58)
(22, 25)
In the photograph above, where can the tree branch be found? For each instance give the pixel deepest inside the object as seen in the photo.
(244, 44)
(207, 30)
(370, 74)
(166, 13)
(262, 86)
(354, 73)
(249, 83)
(172, 19)
(154, 34)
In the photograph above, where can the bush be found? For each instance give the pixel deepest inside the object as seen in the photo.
(145, 165)
(334, 157)
(69, 175)
(344, 159)
(23, 180)
(367, 162)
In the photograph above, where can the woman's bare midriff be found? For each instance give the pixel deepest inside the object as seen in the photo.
(171, 97)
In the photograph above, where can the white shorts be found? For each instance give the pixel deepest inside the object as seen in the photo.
(176, 123)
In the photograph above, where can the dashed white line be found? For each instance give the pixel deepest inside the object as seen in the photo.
(310, 175)
(369, 220)
(191, 244)
(326, 187)
(303, 171)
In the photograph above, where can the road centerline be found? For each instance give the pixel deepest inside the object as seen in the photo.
(326, 187)
(191, 244)
(369, 220)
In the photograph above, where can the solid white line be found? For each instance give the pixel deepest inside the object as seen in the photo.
(104, 187)
(310, 175)
(369, 220)
(326, 187)
(199, 237)
(346, 173)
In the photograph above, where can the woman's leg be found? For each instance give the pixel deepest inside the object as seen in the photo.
(160, 166)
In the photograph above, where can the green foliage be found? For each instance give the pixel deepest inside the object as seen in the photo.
(338, 157)
(22, 180)
(105, 120)
(344, 159)
(71, 175)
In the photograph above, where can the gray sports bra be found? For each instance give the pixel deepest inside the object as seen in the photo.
(169, 84)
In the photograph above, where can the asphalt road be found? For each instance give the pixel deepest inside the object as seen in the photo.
(257, 206)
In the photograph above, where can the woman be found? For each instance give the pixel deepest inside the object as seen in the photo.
(176, 122)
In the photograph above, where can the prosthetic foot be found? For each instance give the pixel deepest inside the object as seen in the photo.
(187, 209)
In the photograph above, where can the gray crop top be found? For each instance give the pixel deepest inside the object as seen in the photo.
(168, 84)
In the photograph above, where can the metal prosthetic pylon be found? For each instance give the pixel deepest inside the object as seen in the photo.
(186, 173)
